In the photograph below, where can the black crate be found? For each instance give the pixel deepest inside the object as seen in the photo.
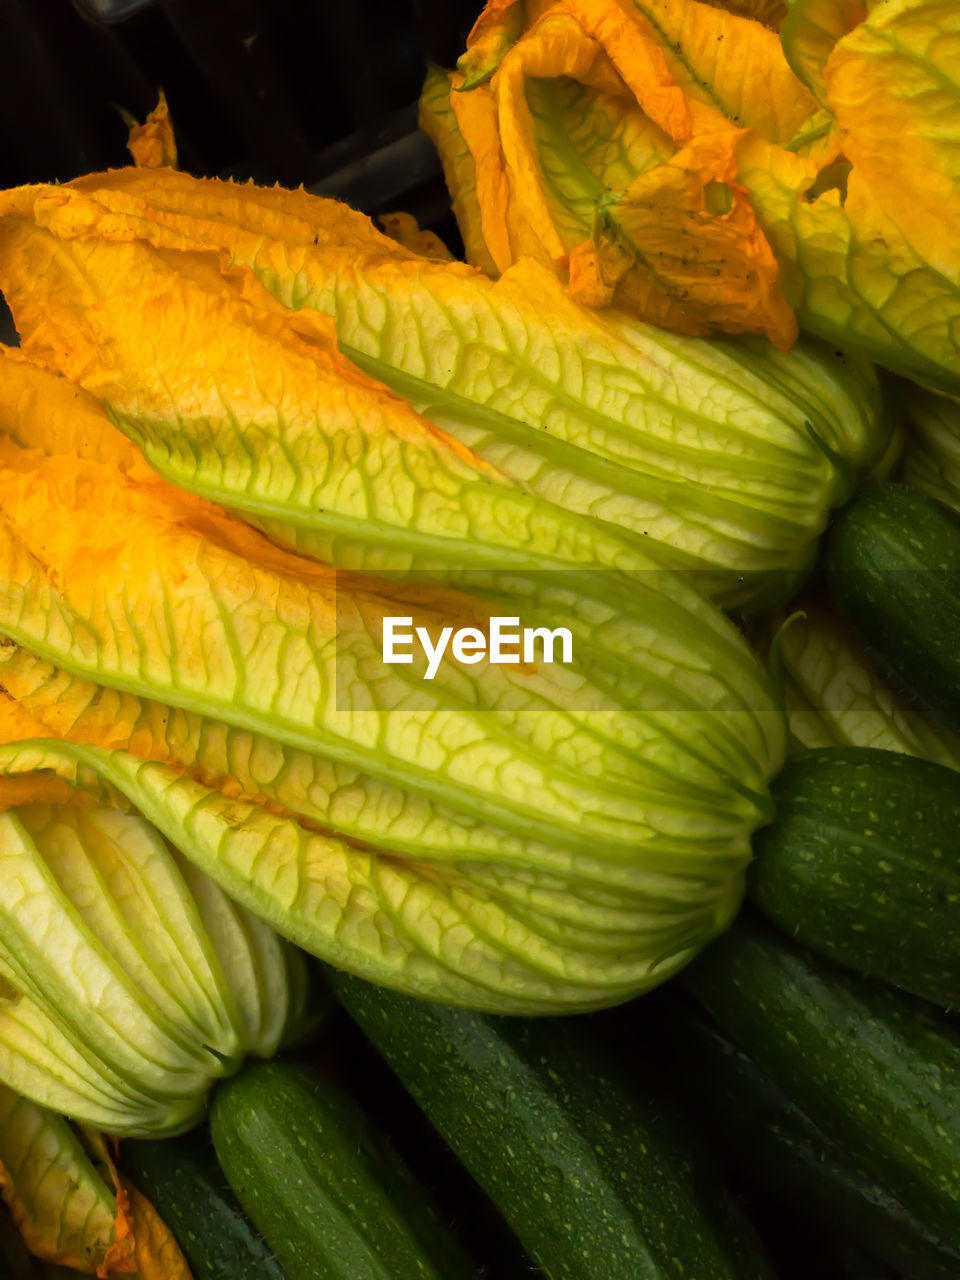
(319, 92)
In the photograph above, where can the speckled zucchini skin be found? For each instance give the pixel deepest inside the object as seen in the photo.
(862, 864)
(777, 1148)
(327, 1193)
(181, 1178)
(877, 1070)
(893, 563)
(596, 1179)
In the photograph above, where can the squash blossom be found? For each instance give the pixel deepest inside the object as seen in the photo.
(60, 1202)
(129, 982)
(70, 1204)
(528, 839)
(386, 411)
(688, 163)
(836, 695)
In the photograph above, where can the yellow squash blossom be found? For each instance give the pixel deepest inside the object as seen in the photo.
(70, 1203)
(484, 837)
(587, 140)
(546, 432)
(638, 146)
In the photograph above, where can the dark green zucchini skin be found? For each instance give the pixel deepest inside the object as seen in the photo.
(181, 1178)
(877, 1070)
(778, 1149)
(325, 1190)
(862, 864)
(598, 1180)
(893, 564)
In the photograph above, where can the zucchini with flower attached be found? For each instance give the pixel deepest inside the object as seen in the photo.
(130, 981)
(527, 838)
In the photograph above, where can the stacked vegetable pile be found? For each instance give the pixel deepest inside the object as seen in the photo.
(244, 427)
(528, 841)
(247, 670)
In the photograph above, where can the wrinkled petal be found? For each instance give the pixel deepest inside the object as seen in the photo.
(595, 119)
(152, 143)
(143, 1244)
(494, 31)
(731, 70)
(601, 433)
(438, 121)
(837, 696)
(59, 1201)
(502, 237)
(325, 458)
(847, 269)
(893, 85)
(525, 817)
(404, 228)
(699, 268)
(810, 32)
(931, 459)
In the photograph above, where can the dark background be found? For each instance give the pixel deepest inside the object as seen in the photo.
(321, 92)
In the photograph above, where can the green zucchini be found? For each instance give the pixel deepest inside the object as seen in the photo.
(893, 563)
(862, 864)
(181, 1178)
(327, 1193)
(876, 1069)
(598, 1180)
(765, 1138)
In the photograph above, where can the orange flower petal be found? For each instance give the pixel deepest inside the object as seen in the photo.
(152, 143)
